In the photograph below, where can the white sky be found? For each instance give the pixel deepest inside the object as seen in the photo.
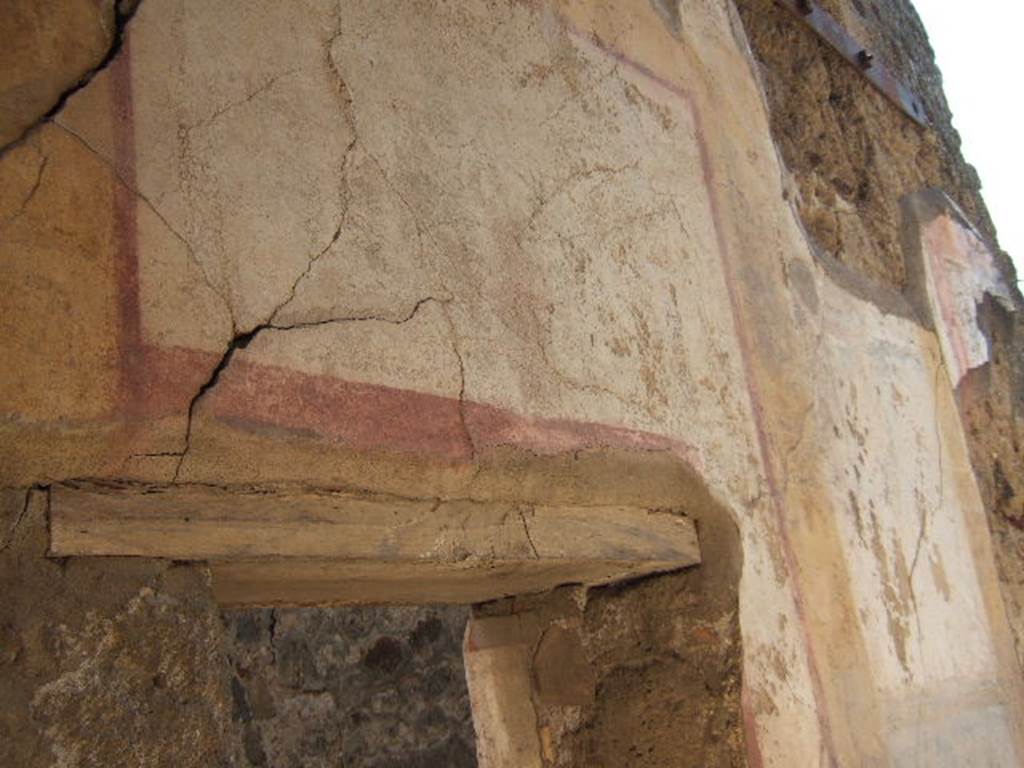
(979, 45)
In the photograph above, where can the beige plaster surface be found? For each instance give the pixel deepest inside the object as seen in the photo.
(515, 252)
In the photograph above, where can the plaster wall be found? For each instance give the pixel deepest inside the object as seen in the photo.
(513, 252)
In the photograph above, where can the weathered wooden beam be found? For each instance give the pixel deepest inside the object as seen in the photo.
(292, 547)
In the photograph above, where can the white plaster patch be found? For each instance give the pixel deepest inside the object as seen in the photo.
(959, 271)
(973, 737)
(901, 501)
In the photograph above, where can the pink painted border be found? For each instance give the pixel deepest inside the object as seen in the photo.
(756, 399)
(938, 236)
(155, 381)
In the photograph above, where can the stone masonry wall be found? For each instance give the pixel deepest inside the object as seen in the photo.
(379, 687)
(852, 156)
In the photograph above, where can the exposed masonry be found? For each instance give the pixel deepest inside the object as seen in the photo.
(123, 14)
(305, 271)
(372, 685)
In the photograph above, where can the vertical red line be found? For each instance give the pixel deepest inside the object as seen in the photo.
(937, 245)
(130, 347)
(747, 355)
(731, 279)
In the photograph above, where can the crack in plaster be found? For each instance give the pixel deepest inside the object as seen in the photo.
(408, 206)
(13, 530)
(312, 261)
(347, 110)
(940, 370)
(526, 531)
(35, 186)
(240, 340)
(188, 162)
(345, 190)
(332, 65)
(122, 18)
(462, 382)
(221, 111)
(243, 340)
(31, 193)
(193, 257)
(184, 135)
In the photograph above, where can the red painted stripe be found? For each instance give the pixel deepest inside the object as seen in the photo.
(362, 416)
(492, 426)
(126, 229)
(939, 240)
(367, 416)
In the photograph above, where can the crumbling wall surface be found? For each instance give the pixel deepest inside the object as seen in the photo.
(665, 646)
(852, 157)
(992, 400)
(124, 661)
(852, 154)
(375, 687)
(522, 254)
(105, 663)
(643, 674)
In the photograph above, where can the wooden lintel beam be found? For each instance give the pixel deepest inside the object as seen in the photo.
(291, 547)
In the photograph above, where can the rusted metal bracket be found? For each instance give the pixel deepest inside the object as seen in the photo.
(881, 78)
